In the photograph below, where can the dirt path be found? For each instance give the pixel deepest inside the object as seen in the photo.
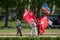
(28, 34)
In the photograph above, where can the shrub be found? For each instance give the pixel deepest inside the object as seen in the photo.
(29, 38)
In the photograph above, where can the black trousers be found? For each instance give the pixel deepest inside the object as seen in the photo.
(38, 30)
(19, 32)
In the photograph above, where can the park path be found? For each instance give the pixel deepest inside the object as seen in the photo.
(28, 34)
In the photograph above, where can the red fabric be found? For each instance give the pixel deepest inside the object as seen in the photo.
(28, 16)
(43, 24)
(41, 30)
(33, 17)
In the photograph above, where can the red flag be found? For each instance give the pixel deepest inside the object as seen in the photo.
(28, 16)
(43, 24)
(33, 17)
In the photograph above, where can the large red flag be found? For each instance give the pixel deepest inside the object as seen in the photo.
(33, 17)
(43, 24)
(28, 16)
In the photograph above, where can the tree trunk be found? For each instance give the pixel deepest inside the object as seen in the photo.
(53, 9)
(17, 12)
(6, 17)
(29, 5)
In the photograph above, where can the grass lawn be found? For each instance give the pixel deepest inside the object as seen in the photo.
(12, 24)
(52, 31)
(13, 30)
(28, 30)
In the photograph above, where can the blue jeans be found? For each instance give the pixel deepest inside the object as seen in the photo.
(49, 26)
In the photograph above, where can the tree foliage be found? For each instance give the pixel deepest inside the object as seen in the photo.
(21, 4)
(8, 3)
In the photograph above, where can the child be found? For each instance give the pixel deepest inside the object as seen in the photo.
(19, 28)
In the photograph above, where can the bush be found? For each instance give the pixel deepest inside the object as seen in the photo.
(29, 38)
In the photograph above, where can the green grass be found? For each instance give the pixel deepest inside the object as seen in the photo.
(1, 23)
(12, 24)
(13, 30)
(29, 38)
(28, 31)
(52, 31)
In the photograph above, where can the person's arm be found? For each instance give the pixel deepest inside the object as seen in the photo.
(17, 23)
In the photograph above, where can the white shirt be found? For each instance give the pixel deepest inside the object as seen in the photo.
(49, 22)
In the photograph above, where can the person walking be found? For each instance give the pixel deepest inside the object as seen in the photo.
(38, 27)
(33, 29)
(19, 28)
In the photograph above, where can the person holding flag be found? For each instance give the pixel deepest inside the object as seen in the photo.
(30, 18)
(38, 25)
(44, 19)
(33, 23)
(33, 28)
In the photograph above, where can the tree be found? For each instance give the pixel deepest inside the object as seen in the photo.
(21, 5)
(6, 4)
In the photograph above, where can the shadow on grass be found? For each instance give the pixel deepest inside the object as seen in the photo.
(8, 27)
